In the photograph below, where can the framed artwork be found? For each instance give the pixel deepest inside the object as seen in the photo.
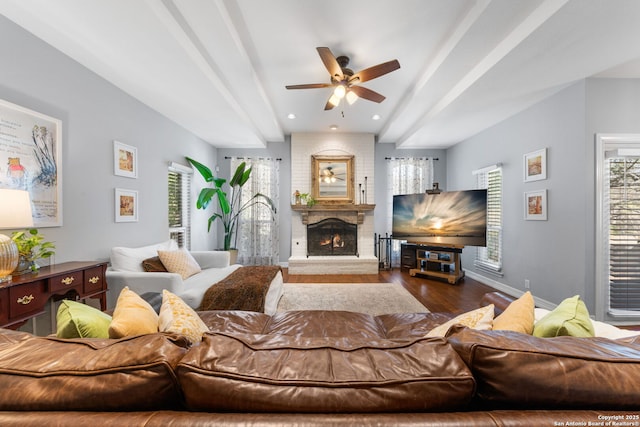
(126, 205)
(332, 179)
(535, 165)
(125, 160)
(31, 160)
(535, 205)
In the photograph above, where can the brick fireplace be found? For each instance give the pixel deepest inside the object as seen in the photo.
(320, 260)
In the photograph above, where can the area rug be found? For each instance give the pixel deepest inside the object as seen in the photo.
(370, 298)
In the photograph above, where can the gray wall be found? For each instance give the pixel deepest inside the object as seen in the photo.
(93, 114)
(551, 254)
(556, 255)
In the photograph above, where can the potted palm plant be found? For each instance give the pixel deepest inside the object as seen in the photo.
(229, 206)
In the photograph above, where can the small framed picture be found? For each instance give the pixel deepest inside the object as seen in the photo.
(535, 205)
(125, 160)
(535, 165)
(126, 205)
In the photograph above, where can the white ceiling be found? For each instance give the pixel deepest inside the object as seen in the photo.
(219, 67)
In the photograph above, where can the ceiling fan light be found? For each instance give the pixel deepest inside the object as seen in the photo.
(334, 100)
(340, 91)
(351, 97)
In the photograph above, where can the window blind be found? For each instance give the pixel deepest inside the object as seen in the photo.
(179, 206)
(490, 257)
(622, 202)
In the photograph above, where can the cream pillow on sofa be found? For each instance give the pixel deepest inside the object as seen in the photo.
(180, 261)
(178, 318)
(480, 319)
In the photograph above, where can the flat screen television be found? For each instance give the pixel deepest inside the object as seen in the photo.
(447, 218)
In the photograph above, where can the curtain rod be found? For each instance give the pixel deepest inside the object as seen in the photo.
(407, 158)
(249, 158)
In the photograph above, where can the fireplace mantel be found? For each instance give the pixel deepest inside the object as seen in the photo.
(333, 207)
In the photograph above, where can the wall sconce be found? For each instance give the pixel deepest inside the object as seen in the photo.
(15, 213)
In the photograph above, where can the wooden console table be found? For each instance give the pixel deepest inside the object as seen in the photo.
(26, 296)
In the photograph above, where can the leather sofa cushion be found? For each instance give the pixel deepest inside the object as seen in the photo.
(562, 372)
(348, 374)
(325, 323)
(49, 374)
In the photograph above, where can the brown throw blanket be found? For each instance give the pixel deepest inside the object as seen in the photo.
(244, 289)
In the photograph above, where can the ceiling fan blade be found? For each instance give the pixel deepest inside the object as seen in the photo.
(365, 93)
(330, 63)
(375, 71)
(309, 86)
(329, 106)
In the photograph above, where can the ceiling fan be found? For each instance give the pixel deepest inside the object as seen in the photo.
(329, 176)
(345, 81)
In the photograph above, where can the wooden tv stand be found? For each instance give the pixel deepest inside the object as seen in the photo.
(433, 260)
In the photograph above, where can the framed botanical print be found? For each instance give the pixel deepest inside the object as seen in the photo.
(126, 203)
(535, 165)
(125, 160)
(535, 205)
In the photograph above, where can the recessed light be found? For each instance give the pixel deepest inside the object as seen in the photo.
(375, 117)
(333, 127)
(291, 116)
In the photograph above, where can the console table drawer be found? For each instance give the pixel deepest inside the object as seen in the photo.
(65, 281)
(93, 280)
(27, 299)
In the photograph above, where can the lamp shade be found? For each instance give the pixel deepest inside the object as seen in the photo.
(15, 209)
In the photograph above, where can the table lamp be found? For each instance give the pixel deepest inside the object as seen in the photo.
(15, 212)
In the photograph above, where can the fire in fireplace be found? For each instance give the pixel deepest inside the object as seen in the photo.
(332, 236)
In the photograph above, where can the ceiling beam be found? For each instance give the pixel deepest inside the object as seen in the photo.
(529, 25)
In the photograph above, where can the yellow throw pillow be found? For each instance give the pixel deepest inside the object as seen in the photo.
(132, 316)
(480, 319)
(178, 318)
(518, 316)
(180, 261)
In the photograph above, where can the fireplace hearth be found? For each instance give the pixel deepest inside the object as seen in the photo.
(332, 236)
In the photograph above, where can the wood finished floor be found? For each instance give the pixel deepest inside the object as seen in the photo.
(437, 296)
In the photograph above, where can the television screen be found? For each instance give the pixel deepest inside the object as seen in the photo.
(453, 217)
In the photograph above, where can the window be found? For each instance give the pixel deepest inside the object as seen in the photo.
(618, 234)
(179, 185)
(405, 176)
(257, 238)
(489, 258)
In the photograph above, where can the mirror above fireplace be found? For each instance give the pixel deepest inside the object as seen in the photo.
(332, 179)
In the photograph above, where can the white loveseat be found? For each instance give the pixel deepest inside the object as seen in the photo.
(126, 270)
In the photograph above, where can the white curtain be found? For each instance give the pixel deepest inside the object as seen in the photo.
(405, 176)
(258, 230)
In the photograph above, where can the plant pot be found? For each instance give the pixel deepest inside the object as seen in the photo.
(233, 256)
(25, 266)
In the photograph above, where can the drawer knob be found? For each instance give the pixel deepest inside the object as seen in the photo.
(67, 280)
(25, 299)
(94, 280)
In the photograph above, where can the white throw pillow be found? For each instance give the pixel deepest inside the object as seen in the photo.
(130, 259)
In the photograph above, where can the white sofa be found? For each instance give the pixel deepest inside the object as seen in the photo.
(126, 270)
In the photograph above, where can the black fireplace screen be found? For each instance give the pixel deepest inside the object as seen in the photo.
(332, 236)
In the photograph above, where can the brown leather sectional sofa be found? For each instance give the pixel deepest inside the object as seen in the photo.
(320, 368)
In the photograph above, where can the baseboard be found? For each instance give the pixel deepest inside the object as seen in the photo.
(516, 293)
